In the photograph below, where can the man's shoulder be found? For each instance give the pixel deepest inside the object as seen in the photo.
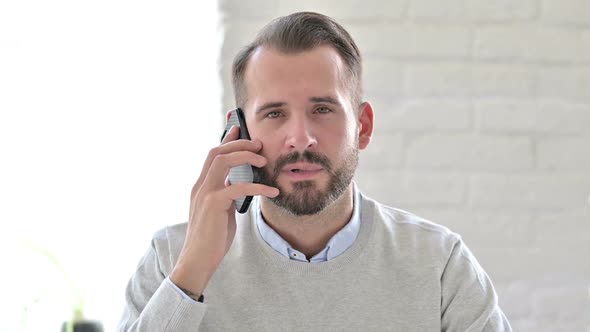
(403, 224)
(171, 233)
(408, 219)
(167, 243)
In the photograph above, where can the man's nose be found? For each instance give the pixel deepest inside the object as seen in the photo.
(300, 135)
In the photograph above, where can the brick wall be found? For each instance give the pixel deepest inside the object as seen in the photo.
(483, 125)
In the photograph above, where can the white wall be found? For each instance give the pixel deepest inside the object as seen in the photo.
(483, 125)
(107, 112)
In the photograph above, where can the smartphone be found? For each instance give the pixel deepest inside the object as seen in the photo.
(242, 173)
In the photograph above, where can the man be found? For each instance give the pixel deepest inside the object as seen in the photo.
(312, 253)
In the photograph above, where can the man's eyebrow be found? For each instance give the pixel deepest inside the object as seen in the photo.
(275, 104)
(326, 99)
(270, 105)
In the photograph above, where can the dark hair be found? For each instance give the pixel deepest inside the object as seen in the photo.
(300, 32)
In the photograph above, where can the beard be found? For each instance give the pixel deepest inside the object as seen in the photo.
(307, 198)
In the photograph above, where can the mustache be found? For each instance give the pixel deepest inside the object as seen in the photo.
(306, 156)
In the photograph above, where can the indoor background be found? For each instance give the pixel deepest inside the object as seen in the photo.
(107, 111)
(482, 112)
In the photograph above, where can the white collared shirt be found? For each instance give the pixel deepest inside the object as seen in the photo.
(336, 246)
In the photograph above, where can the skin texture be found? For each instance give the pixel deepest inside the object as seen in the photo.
(309, 110)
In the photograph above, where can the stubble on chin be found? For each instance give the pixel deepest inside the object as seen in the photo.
(305, 198)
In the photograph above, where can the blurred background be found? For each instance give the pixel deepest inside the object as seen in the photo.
(108, 109)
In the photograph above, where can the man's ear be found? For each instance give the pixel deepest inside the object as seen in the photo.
(365, 129)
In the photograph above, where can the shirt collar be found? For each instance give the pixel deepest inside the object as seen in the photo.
(337, 245)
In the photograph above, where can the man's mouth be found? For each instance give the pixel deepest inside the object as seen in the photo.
(302, 167)
(302, 171)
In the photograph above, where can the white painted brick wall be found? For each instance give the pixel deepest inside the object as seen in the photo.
(470, 152)
(564, 154)
(385, 153)
(472, 10)
(383, 77)
(415, 189)
(529, 43)
(502, 80)
(566, 11)
(532, 190)
(347, 9)
(438, 80)
(570, 83)
(414, 40)
(533, 117)
(483, 125)
(585, 47)
(440, 115)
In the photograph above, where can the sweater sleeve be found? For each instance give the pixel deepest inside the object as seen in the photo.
(469, 301)
(153, 304)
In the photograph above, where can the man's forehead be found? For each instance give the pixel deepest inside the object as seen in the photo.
(319, 69)
(320, 59)
(267, 51)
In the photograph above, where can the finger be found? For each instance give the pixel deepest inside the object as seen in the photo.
(232, 134)
(238, 144)
(233, 146)
(222, 163)
(239, 190)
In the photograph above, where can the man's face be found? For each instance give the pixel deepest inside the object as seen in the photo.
(300, 110)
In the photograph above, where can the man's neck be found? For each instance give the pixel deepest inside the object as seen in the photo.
(310, 234)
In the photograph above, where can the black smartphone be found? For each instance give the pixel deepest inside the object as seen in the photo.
(242, 173)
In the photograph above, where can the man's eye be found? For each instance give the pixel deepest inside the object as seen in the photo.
(323, 109)
(273, 114)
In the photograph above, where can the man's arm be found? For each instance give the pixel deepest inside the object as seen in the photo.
(469, 301)
(154, 304)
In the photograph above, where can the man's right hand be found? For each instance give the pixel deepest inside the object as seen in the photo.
(212, 223)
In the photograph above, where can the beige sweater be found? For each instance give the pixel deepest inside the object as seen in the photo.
(402, 273)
